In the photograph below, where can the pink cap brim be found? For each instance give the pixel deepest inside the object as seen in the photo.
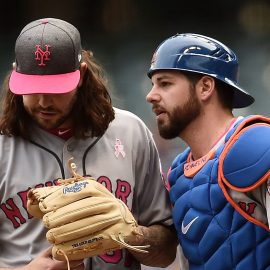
(22, 84)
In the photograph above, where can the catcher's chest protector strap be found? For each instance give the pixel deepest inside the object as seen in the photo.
(212, 233)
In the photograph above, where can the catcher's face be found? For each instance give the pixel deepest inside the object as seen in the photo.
(174, 101)
(50, 110)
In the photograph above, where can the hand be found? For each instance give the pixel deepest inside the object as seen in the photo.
(84, 219)
(45, 261)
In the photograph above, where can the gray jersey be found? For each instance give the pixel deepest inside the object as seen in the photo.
(125, 159)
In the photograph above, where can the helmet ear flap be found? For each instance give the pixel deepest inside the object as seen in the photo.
(204, 55)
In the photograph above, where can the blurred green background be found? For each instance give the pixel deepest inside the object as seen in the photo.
(123, 35)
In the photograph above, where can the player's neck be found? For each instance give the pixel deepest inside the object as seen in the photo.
(63, 133)
(206, 131)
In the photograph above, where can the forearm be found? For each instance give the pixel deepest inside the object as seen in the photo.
(19, 268)
(163, 242)
(16, 268)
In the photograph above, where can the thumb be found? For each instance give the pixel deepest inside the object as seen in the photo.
(47, 252)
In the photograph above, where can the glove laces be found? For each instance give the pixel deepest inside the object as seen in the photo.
(62, 252)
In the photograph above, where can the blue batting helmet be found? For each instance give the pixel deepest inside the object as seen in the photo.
(201, 54)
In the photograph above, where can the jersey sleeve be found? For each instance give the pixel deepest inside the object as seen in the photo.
(151, 204)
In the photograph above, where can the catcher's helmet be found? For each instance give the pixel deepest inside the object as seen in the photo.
(201, 54)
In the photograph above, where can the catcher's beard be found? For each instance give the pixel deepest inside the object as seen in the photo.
(180, 117)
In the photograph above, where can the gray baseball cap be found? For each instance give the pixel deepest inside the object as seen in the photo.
(47, 57)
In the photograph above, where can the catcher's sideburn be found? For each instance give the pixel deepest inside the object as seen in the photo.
(125, 160)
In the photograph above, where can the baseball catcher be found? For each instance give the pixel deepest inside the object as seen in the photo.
(83, 218)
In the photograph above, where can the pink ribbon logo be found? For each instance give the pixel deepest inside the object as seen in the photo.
(119, 148)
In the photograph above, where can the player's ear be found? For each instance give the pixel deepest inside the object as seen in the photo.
(83, 68)
(206, 87)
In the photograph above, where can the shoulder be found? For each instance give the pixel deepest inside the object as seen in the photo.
(181, 158)
(250, 135)
(177, 167)
(129, 121)
(246, 154)
(6, 141)
(127, 115)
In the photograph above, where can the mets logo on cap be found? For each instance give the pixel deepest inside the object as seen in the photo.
(48, 57)
(42, 55)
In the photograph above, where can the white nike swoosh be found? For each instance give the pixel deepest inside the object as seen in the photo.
(186, 228)
(63, 132)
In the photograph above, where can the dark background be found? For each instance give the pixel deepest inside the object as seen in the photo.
(123, 35)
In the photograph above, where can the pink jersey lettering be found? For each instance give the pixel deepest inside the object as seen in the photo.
(249, 208)
(123, 190)
(104, 180)
(23, 196)
(13, 213)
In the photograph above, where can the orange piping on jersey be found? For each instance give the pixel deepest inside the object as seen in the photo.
(225, 152)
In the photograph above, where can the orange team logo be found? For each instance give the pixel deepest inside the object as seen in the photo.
(42, 55)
